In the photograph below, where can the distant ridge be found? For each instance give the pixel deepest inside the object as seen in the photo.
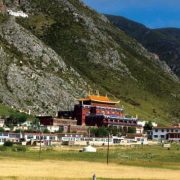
(165, 42)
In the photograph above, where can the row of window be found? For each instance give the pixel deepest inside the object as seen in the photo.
(86, 139)
(108, 108)
(166, 130)
(121, 121)
(105, 112)
(103, 108)
(161, 136)
(42, 137)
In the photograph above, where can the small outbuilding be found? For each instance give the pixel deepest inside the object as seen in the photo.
(89, 148)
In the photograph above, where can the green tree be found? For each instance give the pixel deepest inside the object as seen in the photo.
(31, 130)
(46, 131)
(17, 118)
(131, 130)
(61, 130)
(99, 132)
(1, 129)
(17, 130)
(148, 126)
(93, 131)
(113, 130)
(102, 131)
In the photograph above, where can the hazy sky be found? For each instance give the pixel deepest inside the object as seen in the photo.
(152, 13)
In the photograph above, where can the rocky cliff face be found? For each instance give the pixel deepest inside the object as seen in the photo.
(33, 75)
(64, 48)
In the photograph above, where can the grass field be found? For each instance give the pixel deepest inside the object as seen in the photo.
(148, 162)
(149, 156)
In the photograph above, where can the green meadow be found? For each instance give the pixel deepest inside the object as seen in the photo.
(67, 163)
(154, 156)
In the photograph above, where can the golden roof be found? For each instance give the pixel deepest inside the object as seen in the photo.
(104, 99)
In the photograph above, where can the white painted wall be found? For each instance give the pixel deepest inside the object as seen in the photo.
(160, 133)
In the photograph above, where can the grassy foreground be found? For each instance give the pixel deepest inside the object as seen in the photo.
(130, 163)
(147, 156)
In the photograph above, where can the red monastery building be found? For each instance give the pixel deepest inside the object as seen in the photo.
(92, 111)
(101, 111)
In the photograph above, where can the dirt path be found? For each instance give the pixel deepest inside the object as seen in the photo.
(75, 169)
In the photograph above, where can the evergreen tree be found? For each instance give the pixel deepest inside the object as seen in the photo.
(148, 126)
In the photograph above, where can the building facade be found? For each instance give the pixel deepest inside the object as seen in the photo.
(62, 125)
(9, 136)
(101, 111)
(166, 133)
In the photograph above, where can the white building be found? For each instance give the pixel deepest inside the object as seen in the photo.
(23, 128)
(135, 139)
(52, 128)
(166, 133)
(17, 14)
(38, 136)
(13, 137)
(139, 130)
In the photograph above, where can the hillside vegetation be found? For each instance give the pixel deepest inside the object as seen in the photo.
(64, 49)
(164, 42)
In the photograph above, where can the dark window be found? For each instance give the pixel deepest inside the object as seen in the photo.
(156, 130)
(45, 137)
(162, 130)
(52, 138)
(162, 136)
(155, 136)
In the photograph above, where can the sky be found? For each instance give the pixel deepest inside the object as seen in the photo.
(152, 13)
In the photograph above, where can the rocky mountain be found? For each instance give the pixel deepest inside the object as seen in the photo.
(164, 42)
(63, 49)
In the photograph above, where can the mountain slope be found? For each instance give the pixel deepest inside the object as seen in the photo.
(164, 42)
(33, 76)
(82, 50)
